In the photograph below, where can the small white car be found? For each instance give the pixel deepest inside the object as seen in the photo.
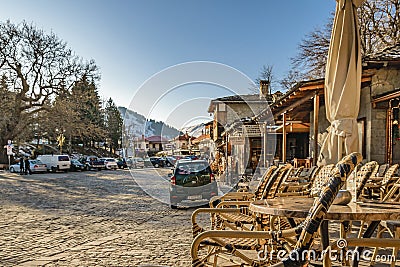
(110, 163)
(35, 166)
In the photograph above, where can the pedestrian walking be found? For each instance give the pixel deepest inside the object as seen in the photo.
(21, 166)
(27, 166)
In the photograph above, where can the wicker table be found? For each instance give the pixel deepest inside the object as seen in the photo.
(370, 212)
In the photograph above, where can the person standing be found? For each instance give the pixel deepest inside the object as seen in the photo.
(21, 165)
(27, 166)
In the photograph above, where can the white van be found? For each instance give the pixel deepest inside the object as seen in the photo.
(56, 162)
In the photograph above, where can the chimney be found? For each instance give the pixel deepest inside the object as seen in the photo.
(264, 88)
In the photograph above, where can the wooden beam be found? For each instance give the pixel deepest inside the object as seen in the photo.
(284, 138)
(386, 98)
(312, 87)
(315, 132)
(294, 105)
(389, 142)
(320, 85)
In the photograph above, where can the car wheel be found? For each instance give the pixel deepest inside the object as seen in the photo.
(168, 164)
(174, 206)
(12, 169)
(53, 169)
(156, 165)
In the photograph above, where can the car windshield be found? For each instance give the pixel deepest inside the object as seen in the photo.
(63, 158)
(191, 167)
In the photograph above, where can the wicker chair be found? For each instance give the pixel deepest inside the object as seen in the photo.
(391, 227)
(223, 216)
(220, 243)
(311, 188)
(363, 175)
(378, 186)
(244, 196)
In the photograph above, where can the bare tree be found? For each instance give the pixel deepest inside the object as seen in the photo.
(379, 22)
(291, 78)
(313, 51)
(37, 66)
(266, 74)
(379, 25)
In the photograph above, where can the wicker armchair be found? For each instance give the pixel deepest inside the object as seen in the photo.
(244, 196)
(311, 188)
(378, 186)
(233, 214)
(217, 244)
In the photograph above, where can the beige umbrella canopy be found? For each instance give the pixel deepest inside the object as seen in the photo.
(342, 84)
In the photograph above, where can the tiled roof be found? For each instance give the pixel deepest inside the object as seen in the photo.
(251, 98)
(156, 138)
(240, 98)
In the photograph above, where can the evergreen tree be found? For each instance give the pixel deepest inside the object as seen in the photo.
(113, 124)
(87, 106)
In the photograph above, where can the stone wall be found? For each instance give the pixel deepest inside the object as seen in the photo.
(377, 135)
(385, 80)
(242, 110)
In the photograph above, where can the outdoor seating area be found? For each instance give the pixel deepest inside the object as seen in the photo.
(285, 222)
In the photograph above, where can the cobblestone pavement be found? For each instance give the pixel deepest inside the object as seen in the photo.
(88, 219)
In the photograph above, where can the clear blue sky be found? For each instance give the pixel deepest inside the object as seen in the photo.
(132, 40)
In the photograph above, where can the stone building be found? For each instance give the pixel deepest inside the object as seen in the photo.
(300, 113)
(228, 111)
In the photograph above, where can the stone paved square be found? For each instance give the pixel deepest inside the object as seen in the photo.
(88, 219)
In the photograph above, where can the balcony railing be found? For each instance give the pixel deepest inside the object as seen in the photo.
(251, 131)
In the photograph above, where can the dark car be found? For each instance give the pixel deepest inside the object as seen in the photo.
(92, 162)
(76, 165)
(192, 183)
(121, 162)
(156, 162)
(169, 161)
(192, 157)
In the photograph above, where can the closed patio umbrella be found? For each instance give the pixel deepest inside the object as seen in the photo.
(342, 84)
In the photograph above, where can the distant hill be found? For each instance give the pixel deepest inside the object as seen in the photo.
(195, 130)
(136, 125)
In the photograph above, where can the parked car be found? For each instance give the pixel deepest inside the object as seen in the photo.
(136, 163)
(76, 165)
(92, 162)
(109, 163)
(157, 162)
(169, 161)
(36, 166)
(147, 163)
(56, 162)
(192, 157)
(192, 183)
(121, 162)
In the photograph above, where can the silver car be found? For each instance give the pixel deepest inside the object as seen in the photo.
(35, 165)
